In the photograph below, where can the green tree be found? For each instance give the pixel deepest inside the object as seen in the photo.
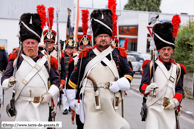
(184, 49)
(143, 5)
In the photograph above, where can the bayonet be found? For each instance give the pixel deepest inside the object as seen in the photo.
(10, 108)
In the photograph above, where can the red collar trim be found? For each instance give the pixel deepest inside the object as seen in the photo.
(160, 60)
(97, 48)
(171, 61)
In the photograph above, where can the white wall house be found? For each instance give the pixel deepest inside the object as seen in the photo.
(131, 24)
(11, 10)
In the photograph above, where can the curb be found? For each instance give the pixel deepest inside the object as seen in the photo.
(183, 112)
(187, 114)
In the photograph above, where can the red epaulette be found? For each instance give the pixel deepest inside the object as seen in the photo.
(122, 51)
(63, 54)
(12, 56)
(92, 47)
(172, 61)
(83, 53)
(145, 62)
(185, 71)
(70, 59)
(54, 62)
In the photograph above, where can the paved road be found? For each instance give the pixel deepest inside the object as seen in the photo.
(132, 106)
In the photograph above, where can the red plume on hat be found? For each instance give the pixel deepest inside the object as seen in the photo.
(175, 23)
(50, 17)
(126, 43)
(85, 15)
(85, 40)
(42, 14)
(112, 6)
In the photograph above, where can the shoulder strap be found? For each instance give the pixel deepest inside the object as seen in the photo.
(35, 69)
(108, 63)
(178, 68)
(179, 73)
(97, 59)
(14, 62)
(151, 65)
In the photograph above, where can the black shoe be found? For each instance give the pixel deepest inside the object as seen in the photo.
(69, 109)
(65, 112)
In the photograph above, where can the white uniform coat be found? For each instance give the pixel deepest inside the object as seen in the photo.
(158, 117)
(106, 117)
(26, 109)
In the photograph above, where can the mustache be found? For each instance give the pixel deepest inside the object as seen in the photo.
(30, 49)
(166, 54)
(103, 41)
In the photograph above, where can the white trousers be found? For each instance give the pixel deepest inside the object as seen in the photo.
(64, 100)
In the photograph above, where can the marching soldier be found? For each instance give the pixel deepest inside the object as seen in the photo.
(32, 96)
(103, 72)
(168, 84)
(84, 42)
(65, 56)
(51, 52)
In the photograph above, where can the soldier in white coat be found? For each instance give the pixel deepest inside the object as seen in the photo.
(168, 83)
(32, 96)
(103, 72)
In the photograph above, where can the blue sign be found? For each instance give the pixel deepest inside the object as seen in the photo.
(121, 42)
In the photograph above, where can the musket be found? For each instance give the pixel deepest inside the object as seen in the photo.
(153, 59)
(58, 55)
(152, 48)
(69, 14)
(10, 108)
(58, 42)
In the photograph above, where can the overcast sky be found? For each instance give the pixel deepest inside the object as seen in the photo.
(167, 6)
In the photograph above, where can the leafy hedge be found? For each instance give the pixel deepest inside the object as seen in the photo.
(184, 52)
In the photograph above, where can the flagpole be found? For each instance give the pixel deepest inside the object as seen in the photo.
(77, 22)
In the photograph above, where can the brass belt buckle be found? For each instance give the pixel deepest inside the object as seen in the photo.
(37, 67)
(36, 99)
(171, 79)
(166, 102)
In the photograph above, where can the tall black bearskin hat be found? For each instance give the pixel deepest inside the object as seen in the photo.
(31, 25)
(70, 43)
(163, 36)
(49, 37)
(101, 22)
